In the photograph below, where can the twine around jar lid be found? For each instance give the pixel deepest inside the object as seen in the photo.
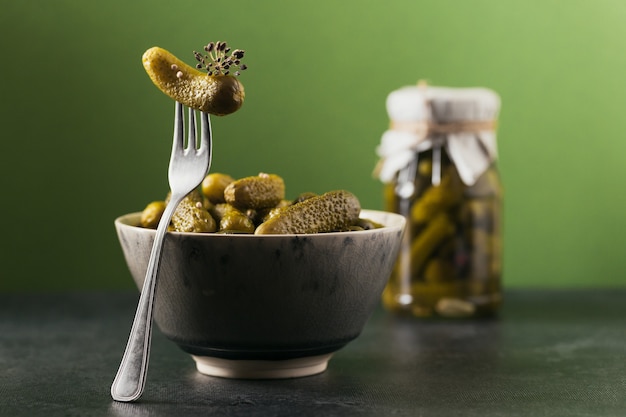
(422, 117)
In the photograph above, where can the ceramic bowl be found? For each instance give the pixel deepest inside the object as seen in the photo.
(272, 306)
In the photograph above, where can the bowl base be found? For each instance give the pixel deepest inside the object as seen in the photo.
(262, 369)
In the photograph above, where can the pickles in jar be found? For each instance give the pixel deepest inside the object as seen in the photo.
(452, 267)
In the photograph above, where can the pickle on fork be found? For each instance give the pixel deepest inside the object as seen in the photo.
(218, 91)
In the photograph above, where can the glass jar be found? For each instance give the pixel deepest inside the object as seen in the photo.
(438, 160)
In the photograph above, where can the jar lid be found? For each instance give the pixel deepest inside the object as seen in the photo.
(442, 104)
(425, 117)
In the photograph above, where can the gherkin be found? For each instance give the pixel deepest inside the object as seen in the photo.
(191, 216)
(258, 192)
(332, 211)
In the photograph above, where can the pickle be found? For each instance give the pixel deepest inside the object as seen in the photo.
(453, 268)
(454, 308)
(425, 167)
(213, 187)
(479, 213)
(436, 199)
(264, 215)
(257, 204)
(151, 215)
(235, 221)
(259, 192)
(219, 94)
(367, 224)
(332, 211)
(481, 255)
(218, 210)
(390, 197)
(439, 270)
(191, 216)
(426, 295)
(496, 257)
(437, 231)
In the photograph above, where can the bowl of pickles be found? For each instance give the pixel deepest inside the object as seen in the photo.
(254, 285)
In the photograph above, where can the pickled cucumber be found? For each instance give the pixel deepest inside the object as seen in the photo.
(235, 221)
(151, 215)
(439, 270)
(219, 94)
(367, 224)
(258, 192)
(213, 187)
(257, 204)
(191, 216)
(454, 265)
(218, 210)
(436, 199)
(332, 211)
(436, 232)
(264, 215)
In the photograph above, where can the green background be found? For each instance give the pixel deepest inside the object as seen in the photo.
(86, 136)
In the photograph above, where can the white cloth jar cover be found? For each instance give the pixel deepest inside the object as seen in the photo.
(423, 117)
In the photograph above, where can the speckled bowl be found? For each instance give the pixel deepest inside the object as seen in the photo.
(273, 306)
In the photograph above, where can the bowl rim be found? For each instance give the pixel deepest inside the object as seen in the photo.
(397, 223)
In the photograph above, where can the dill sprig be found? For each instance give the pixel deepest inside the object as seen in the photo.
(218, 59)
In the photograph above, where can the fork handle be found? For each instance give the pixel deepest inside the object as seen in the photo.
(130, 379)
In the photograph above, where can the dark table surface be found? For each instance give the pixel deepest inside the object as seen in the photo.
(550, 353)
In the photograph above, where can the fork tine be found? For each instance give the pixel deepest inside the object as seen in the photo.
(191, 139)
(179, 128)
(206, 141)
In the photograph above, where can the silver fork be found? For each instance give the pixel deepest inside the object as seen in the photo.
(188, 166)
